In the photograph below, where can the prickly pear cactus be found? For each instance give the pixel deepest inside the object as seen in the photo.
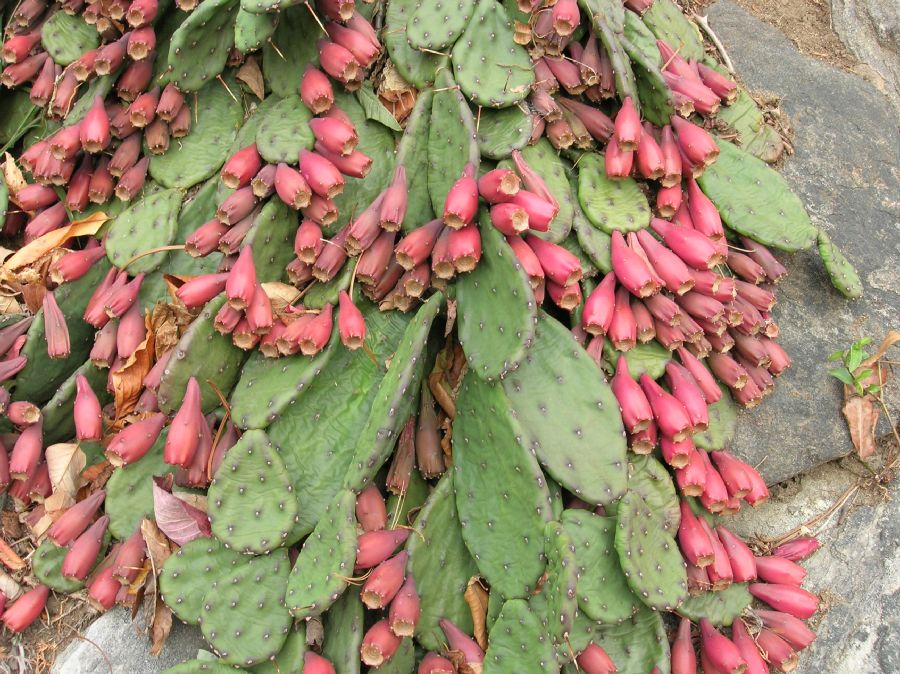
(610, 204)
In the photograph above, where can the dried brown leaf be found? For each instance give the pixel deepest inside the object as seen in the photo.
(66, 461)
(252, 76)
(160, 627)
(158, 547)
(167, 322)
(477, 598)
(9, 558)
(178, 520)
(281, 295)
(892, 338)
(12, 175)
(9, 305)
(46, 243)
(9, 587)
(33, 296)
(861, 413)
(128, 380)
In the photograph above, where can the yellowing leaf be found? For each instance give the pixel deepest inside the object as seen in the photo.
(44, 244)
(65, 461)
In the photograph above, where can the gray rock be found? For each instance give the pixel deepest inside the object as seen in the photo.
(857, 571)
(845, 171)
(121, 644)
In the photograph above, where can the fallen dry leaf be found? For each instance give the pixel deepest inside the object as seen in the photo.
(252, 76)
(160, 627)
(9, 305)
(167, 321)
(9, 586)
(158, 547)
(477, 598)
(178, 520)
(861, 413)
(12, 175)
(9, 558)
(65, 462)
(892, 338)
(33, 296)
(128, 380)
(44, 244)
(281, 295)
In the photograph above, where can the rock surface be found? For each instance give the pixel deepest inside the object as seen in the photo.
(118, 643)
(845, 169)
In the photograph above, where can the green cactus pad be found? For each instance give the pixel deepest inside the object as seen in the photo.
(496, 308)
(252, 504)
(417, 67)
(603, 592)
(657, 100)
(45, 565)
(326, 560)
(200, 209)
(403, 661)
(199, 48)
(272, 238)
(317, 438)
(667, 22)
(574, 429)
(754, 135)
(67, 37)
(636, 645)
(148, 223)
(843, 275)
(59, 425)
(40, 379)
(436, 24)
(722, 424)
(502, 131)
(376, 141)
(276, 381)
(252, 30)
(624, 74)
(244, 619)
(290, 658)
(595, 243)
(284, 131)
(649, 478)
(197, 568)
(396, 398)
(637, 33)
(205, 354)
(501, 495)
(441, 565)
(344, 629)
(286, 54)
(321, 294)
(451, 140)
(720, 608)
(608, 12)
(649, 555)
(374, 109)
(519, 642)
(650, 358)
(199, 666)
(201, 153)
(412, 154)
(19, 113)
(129, 491)
(610, 204)
(491, 69)
(561, 584)
(756, 201)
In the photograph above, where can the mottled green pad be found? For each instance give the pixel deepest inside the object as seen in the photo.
(268, 385)
(610, 204)
(603, 592)
(165, 28)
(451, 140)
(496, 308)
(374, 108)
(252, 504)
(326, 560)
(196, 569)
(657, 100)
(416, 67)
(649, 555)
(199, 48)
(321, 294)
(649, 478)
(260, 6)
(608, 12)
(636, 645)
(756, 201)
(569, 416)
(667, 22)
(317, 437)
(595, 243)
(624, 74)
(412, 154)
(148, 223)
(561, 585)
(491, 69)
(650, 358)
(200, 209)
(290, 658)
(244, 619)
(272, 238)
(4, 197)
(501, 495)
(205, 354)
(396, 398)
(199, 666)
(754, 135)
(129, 492)
(722, 423)
(519, 643)
(502, 131)
(441, 565)
(720, 608)
(344, 628)
(637, 33)
(547, 164)
(59, 424)
(402, 662)
(45, 565)
(19, 113)
(42, 376)
(843, 275)
(296, 38)
(199, 155)
(67, 37)
(376, 141)
(284, 131)
(252, 30)
(436, 24)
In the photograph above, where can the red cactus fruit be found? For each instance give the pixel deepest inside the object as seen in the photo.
(26, 609)
(720, 651)
(789, 599)
(405, 609)
(81, 556)
(684, 659)
(379, 644)
(134, 441)
(184, 431)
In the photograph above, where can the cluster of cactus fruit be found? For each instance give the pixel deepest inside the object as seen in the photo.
(505, 263)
